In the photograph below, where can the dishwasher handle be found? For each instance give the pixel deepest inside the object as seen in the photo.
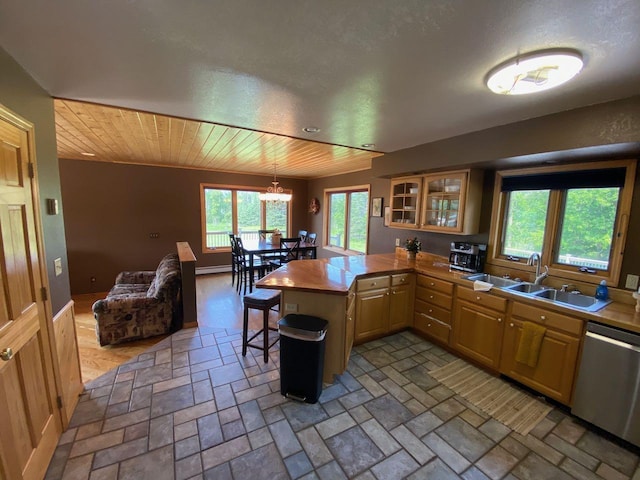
(613, 341)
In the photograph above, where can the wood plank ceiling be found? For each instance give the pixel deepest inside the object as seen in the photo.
(127, 136)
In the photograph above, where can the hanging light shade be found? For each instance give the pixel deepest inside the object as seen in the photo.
(275, 193)
(534, 72)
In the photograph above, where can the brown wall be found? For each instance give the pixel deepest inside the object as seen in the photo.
(110, 210)
(21, 94)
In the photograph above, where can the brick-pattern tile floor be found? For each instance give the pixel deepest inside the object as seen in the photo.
(193, 408)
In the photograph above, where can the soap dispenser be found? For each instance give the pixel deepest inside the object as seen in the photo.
(602, 292)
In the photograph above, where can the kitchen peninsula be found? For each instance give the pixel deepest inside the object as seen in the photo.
(337, 290)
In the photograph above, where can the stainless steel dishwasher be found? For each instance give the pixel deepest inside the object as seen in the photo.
(608, 388)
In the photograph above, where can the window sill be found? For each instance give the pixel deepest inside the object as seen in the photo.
(342, 251)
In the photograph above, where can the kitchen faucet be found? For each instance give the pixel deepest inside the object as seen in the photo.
(534, 259)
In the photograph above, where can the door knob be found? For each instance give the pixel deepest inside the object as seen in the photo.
(6, 354)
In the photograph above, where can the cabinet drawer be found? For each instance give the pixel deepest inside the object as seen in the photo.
(432, 327)
(372, 283)
(401, 279)
(433, 311)
(439, 299)
(482, 298)
(435, 284)
(548, 318)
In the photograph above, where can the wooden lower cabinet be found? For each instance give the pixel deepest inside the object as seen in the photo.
(477, 333)
(401, 302)
(383, 305)
(372, 314)
(432, 311)
(349, 324)
(555, 370)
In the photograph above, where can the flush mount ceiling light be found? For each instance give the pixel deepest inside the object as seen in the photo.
(534, 72)
(275, 193)
(311, 129)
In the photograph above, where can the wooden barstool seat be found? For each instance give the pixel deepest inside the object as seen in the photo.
(265, 300)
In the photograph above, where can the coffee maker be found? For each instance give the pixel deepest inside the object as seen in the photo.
(467, 257)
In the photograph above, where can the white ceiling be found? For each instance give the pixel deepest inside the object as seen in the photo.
(396, 73)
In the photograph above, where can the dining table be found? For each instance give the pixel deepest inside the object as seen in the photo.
(264, 247)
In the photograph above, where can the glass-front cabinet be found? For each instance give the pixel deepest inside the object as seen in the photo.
(405, 202)
(445, 202)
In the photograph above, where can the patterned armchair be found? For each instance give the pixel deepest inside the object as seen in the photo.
(141, 304)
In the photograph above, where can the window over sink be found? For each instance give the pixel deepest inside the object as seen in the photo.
(574, 216)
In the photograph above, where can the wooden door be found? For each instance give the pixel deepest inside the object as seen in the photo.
(400, 307)
(555, 371)
(477, 333)
(29, 416)
(372, 314)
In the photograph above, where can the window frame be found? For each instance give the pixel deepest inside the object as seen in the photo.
(553, 225)
(348, 190)
(234, 211)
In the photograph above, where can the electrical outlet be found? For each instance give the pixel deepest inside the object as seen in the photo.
(632, 282)
(397, 242)
(291, 307)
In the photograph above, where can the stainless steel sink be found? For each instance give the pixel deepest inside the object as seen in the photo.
(577, 300)
(498, 282)
(525, 287)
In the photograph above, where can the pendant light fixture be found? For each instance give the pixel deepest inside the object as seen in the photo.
(534, 72)
(275, 193)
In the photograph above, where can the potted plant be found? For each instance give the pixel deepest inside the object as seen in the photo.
(413, 246)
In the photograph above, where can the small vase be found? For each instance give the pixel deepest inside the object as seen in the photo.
(411, 255)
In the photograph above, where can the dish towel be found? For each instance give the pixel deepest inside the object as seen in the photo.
(480, 286)
(530, 342)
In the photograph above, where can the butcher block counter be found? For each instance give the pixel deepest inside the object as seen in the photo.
(327, 288)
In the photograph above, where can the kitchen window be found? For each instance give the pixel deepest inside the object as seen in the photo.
(237, 210)
(575, 217)
(347, 219)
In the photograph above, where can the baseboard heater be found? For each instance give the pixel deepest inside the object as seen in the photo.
(214, 269)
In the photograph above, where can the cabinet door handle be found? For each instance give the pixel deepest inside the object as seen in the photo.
(542, 317)
(431, 284)
(402, 280)
(431, 296)
(430, 310)
(428, 324)
(511, 324)
(6, 354)
(478, 298)
(394, 292)
(499, 320)
(387, 293)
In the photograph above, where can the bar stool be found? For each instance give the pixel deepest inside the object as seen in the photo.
(260, 299)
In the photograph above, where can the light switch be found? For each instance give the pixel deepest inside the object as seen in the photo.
(57, 263)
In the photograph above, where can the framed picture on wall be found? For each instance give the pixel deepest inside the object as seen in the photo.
(376, 207)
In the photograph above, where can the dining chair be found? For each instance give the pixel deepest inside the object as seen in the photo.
(234, 260)
(311, 240)
(262, 234)
(303, 235)
(245, 273)
(289, 250)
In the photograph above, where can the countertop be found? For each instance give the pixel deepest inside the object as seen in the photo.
(336, 275)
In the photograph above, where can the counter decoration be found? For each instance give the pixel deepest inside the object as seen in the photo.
(412, 246)
(275, 237)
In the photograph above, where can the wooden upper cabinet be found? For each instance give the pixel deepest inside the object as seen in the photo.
(405, 202)
(445, 202)
(451, 202)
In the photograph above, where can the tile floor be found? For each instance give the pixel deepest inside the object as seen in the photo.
(193, 408)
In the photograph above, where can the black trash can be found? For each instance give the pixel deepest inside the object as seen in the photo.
(302, 344)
